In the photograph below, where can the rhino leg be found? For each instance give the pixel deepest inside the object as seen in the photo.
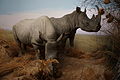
(22, 48)
(21, 45)
(37, 54)
(40, 55)
(71, 38)
(42, 52)
(62, 43)
(62, 46)
(37, 51)
(20, 52)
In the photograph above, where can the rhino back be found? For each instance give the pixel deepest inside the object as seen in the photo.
(23, 29)
(45, 27)
(28, 30)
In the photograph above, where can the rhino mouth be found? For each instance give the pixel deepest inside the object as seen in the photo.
(93, 30)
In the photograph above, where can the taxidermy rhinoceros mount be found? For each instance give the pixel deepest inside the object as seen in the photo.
(46, 32)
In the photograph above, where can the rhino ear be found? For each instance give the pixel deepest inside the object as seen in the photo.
(78, 9)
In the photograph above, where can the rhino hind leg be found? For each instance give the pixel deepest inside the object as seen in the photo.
(20, 50)
(37, 51)
(23, 48)
(19, 43)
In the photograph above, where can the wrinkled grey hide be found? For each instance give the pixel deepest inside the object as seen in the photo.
(42, 31)
(39, 31)
(69, 35)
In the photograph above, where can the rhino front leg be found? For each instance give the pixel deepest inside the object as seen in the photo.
(42, 52)
(37, 55)
(20, 52)
(62, 46)
(71, 39)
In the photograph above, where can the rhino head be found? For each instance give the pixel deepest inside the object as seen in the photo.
(86, 24)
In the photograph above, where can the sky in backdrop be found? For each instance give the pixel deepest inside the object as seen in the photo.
(12, 11)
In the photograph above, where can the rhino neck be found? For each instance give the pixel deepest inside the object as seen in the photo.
(64, 24)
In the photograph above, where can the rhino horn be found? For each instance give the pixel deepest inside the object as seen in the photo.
(97, 9)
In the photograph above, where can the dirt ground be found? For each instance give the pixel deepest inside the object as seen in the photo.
(75, 65)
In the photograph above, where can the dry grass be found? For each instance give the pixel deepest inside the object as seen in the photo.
(91, 43)
(26, 67)
(22, 68)
(74, 53)
(78, 66)
(6, 34)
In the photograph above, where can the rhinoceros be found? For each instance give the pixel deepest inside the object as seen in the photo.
(71, 34)
(44, 32)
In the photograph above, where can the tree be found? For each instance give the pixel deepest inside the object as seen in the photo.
(112, 20)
